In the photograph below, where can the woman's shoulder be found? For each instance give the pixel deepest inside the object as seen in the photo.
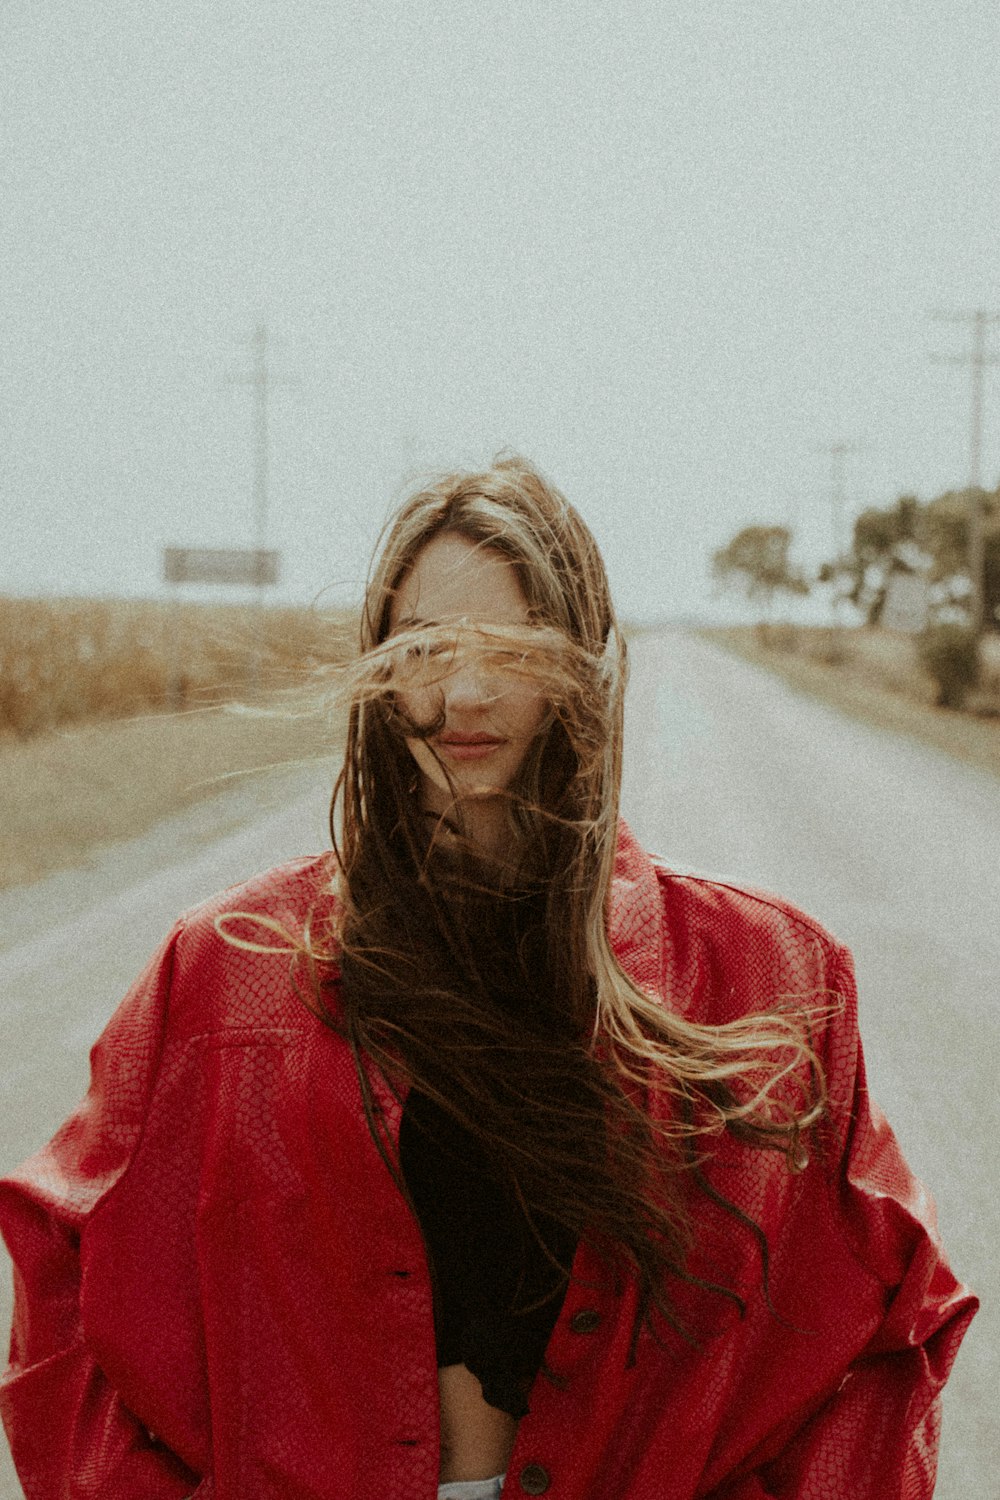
(713, 897)
(234, 952)
(289, 890)
(731, 948)
(657, 902)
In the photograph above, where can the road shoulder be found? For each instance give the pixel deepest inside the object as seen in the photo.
(976, 741)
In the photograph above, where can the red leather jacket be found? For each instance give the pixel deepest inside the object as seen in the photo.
(219, 1288)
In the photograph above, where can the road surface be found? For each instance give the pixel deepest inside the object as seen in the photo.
(729, 772)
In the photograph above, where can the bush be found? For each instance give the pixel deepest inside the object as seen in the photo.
(827, 646)
(949, 653)
(776, 637)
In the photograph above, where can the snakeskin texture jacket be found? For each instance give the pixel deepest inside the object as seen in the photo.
(220, 1291)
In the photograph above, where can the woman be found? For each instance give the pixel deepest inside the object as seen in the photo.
(485, 1152)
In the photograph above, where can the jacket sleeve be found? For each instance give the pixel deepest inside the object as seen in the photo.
(70, 1434)
(876, 1436)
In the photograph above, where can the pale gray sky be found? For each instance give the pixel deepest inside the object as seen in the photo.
(668, 256)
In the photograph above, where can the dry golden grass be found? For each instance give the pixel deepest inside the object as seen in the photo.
(65, 661)
(873, 674)
(99, 735)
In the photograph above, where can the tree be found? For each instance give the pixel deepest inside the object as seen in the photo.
(926, 537)
(884, 541)
(756, 559)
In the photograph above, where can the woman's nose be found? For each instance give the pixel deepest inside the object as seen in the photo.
(468, 686)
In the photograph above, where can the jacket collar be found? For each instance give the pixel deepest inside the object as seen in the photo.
(636, 927)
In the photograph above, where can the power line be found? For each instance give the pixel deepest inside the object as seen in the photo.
(978, 358)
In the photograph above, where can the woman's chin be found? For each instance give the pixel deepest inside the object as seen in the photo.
(470, 786)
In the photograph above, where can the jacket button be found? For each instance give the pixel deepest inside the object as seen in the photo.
(534, 1479)
(586, 1320)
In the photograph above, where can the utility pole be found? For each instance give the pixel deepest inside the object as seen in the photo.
(260, 473)
(838, 451)
(838, 499)
(978, 358)
(261, 381)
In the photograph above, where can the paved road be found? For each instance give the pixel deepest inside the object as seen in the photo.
(728, 771)
(896, 848)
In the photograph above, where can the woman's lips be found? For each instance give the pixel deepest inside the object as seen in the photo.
(475, 747)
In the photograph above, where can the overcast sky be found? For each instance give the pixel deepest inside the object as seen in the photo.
(667, 251)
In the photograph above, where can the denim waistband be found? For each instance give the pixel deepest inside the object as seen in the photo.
(472, 1489)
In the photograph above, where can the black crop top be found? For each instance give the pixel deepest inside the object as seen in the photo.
(480, 1247)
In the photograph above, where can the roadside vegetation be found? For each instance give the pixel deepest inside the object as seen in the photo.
(113, 716)
(918, 663)
(876, 675)
(75, 661)
(906, 568)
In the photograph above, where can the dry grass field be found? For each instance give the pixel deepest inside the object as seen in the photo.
(110, 716)
(71, 661)
(874, 675)
(71, 791)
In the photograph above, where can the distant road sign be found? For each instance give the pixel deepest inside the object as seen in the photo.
(238, 566)
(906, 603)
